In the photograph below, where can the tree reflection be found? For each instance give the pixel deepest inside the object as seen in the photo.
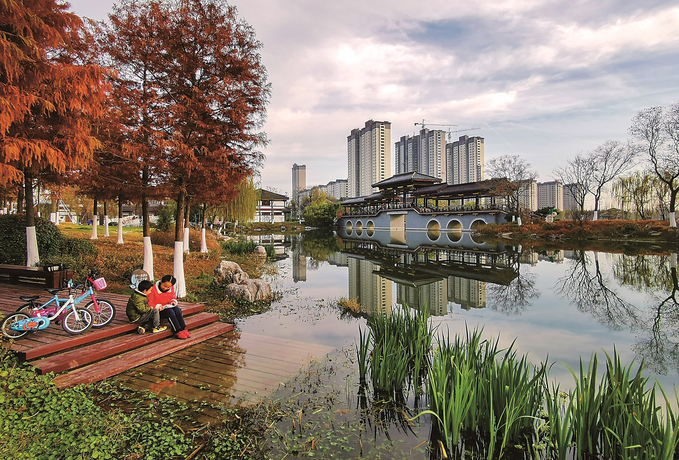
(660, 345)
(586, 287)
(515, 297)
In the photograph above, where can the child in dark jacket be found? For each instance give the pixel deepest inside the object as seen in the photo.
(138, 310)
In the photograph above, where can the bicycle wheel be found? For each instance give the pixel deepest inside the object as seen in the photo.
(75, 326)
(26, 308)
(11, 333)
(106, 313)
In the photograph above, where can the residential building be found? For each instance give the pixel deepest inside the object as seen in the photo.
(337, 188)
(298, 180)
(271, 207)
(550, 195)
(424, 153)
(465, 160)
(369, 157)
(569, 202)
(528, 195)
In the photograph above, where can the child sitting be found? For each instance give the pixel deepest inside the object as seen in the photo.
(163, 297)
(138, 309)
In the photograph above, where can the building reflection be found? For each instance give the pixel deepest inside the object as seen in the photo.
(431, 278)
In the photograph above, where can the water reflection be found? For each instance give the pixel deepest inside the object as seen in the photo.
(590, 290)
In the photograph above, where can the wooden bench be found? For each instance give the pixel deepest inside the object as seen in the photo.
(16, 274)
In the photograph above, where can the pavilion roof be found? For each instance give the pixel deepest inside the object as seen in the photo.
(268, 195)
(411, 179)
(483, 188)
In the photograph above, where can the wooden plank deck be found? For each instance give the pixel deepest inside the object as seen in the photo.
(233, 367)
(216, 365)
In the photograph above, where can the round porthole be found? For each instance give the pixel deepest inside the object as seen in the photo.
(370, 228)
(433, 230)
(359, 228)
(454, 231)
(349, 228)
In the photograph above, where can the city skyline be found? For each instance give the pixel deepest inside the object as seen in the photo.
(543, 80)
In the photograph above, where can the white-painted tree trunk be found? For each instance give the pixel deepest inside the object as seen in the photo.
(54, 218)
(673, 260)
(673, 219)
(106, 226)
(596, 215)
(518, 221)
(203, 242)
(180, 287)
(95, 219)
(148, 255)
(186, 240)
(120, 231)
(32, 257)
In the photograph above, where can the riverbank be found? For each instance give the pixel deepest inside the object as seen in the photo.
(628, 236)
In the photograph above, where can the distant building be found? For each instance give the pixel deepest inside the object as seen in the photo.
(271, 207)
(369, 157)
(569, 202)
(337, 188)
(550, 195)
(465, 160)
(528, 197)
(298, 180)
(424, 153)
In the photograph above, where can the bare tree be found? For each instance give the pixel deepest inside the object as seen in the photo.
(577, 180)
(518, 172)
(656, 131)
(609, 160)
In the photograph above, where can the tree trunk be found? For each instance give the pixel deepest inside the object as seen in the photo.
(148, 247)
(180, 287)
(20, 200)
(203, 242)
(95, 219)
(187, 223)
(32, 256)
(673, 206)
(106, 234)
(120, 221)
(54, 209)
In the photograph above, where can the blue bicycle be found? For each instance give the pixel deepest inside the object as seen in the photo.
(73, 320)
(102, 311)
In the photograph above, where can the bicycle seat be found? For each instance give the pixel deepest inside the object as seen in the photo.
(29, 298)
(53, 291)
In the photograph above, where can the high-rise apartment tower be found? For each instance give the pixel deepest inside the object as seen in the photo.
(298, 180)
(465, 160)
(369, 157)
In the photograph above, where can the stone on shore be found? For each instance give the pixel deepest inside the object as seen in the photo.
(251, 290)
(229, 272)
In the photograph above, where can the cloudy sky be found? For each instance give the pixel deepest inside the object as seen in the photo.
(543, 79)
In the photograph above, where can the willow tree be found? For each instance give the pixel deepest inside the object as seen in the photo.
(49, 97)
(244, 205)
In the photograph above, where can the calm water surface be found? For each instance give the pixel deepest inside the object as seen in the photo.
(564, 305)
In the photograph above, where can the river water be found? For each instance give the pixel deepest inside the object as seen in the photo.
(563, 305)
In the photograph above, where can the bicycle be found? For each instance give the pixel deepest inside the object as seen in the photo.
(76, 321)
(102, 311)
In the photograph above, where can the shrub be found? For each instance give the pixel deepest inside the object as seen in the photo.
(321, 214)
(165, 219)
(13, 239)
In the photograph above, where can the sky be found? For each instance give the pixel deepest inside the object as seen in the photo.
(542, 79)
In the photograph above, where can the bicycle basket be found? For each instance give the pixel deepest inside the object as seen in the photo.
(99, 284)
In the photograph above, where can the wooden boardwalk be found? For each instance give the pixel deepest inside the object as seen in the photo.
(216, 365)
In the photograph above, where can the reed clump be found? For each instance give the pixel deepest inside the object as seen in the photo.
(493, 403)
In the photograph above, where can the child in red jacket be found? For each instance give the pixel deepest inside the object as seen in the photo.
(163, 297)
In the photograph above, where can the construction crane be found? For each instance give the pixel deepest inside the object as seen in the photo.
(450, 133)
(424, 125)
